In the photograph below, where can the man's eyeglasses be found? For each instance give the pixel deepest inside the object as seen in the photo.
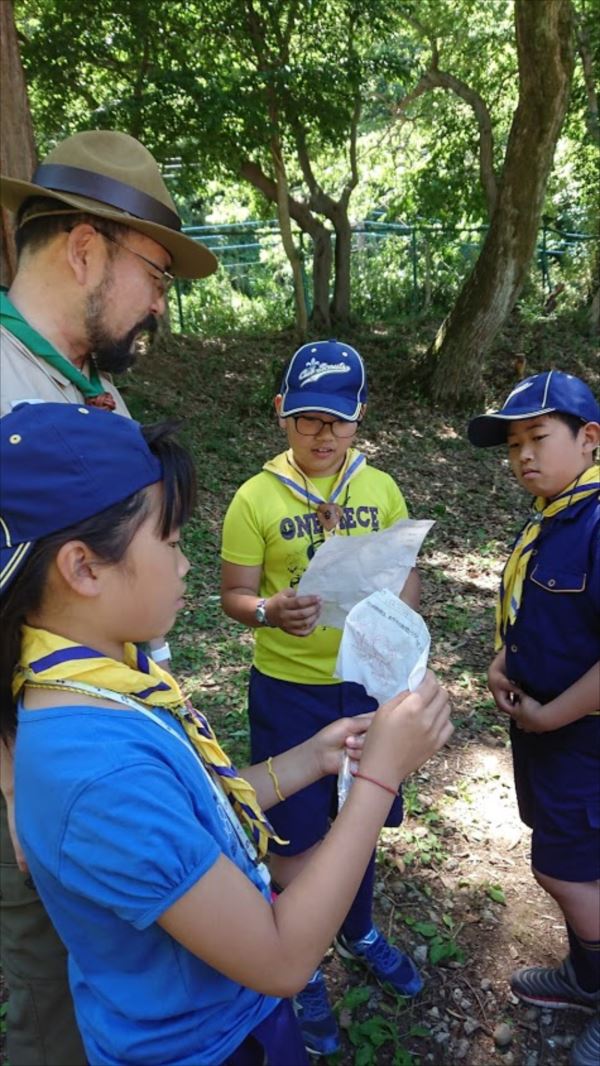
(165, 280)
(308, 426)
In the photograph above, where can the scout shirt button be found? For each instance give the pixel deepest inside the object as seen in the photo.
(514, 647)
(551, 583)
(15, 438)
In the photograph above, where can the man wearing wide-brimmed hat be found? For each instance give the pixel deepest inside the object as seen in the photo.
(98, 242)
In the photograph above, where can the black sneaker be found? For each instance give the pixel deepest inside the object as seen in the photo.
(544, 986)
(586, 1050)
(315, 1017)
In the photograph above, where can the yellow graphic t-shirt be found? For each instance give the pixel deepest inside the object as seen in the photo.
(267, 525)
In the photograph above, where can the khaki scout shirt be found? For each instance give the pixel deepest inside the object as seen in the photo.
(24, 376)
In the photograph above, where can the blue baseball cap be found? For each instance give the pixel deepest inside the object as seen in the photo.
(324, 376)
(61, 464)
(538, 395)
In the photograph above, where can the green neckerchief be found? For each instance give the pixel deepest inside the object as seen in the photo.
(14, 322)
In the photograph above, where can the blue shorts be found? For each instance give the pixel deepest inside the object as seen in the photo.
(557, 779)
(283, 714)
(276, 1039)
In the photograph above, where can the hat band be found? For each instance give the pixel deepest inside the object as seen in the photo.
(109, 191)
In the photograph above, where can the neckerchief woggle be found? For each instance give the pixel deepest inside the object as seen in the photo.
(286, 470)
(513, 576)
(49, 661)
(92, 389)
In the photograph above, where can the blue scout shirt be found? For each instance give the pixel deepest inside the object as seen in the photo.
(118, 820)
(556, 636)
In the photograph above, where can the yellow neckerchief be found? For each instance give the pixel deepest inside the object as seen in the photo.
(48, 661)
(511, 585)
(287, 471)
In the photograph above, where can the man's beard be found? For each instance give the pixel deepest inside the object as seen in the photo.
(112, 354)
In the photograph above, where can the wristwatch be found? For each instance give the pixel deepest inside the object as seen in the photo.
(261, 613)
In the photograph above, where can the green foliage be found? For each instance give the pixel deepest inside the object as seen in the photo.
(209, 88)
(376, 1034)
(442, 946)
(496, 893)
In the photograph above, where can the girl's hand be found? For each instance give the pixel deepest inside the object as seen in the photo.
(296, 615)
(502, 689)
(406, 731)
(344, 736)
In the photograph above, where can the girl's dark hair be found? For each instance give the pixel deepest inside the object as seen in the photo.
(108, 535)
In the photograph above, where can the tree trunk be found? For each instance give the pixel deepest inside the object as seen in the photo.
(452, 366)
(17, 145)
(308, 223)
(340, 306)
(322, 261)
(287, 238)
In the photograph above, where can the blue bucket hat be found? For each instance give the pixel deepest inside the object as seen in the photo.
(538, 395)
(324, 376)
(61, 464)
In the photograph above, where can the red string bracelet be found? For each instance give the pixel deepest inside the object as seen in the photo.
(394, 791)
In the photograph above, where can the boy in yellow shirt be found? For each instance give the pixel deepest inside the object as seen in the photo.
(321, 486)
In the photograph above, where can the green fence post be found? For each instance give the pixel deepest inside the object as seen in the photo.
(305, 289)
(413, 245)
(179, 304)
(544, 256)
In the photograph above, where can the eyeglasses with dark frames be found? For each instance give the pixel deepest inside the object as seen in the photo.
(308, 426)
(165, 280)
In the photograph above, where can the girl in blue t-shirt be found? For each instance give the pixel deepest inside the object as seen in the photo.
(144, 842)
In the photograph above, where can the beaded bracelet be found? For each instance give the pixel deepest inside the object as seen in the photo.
(274, 779)
(380, 784)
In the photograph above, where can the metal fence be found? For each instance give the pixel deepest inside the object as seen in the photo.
(418, 262)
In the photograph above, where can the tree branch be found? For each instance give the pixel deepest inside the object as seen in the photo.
(487, 175)
(585, 54)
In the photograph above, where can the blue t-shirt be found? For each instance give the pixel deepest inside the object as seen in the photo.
(118, 820)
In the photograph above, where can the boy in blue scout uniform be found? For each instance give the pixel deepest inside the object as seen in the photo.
(546, 674)
(321, 487)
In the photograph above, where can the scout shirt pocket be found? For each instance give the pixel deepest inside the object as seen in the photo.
(556, 579)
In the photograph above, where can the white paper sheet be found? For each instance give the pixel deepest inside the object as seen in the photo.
(345, 570)
(384, 646)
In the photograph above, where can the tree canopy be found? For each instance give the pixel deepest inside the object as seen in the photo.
(330, 111)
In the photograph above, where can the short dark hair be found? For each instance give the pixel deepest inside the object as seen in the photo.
(109, 535)
(35, 228)
(572, 421)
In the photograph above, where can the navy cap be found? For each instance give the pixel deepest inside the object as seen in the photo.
(61, 464)
(539, 395)
(324, 376)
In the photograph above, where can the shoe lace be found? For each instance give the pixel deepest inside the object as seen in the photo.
(313, 1000)
(382, 953)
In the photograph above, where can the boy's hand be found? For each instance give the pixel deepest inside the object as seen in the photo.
(500, 686)
(296, 615)
(528, 714)
(345, 736)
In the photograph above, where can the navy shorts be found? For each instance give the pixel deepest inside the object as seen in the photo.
(277, 1039)
(557, 779)
(283, 714)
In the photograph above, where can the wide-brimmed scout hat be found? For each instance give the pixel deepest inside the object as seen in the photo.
(60, 464)
(112, 175)
(541, 394)
(324, 376)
